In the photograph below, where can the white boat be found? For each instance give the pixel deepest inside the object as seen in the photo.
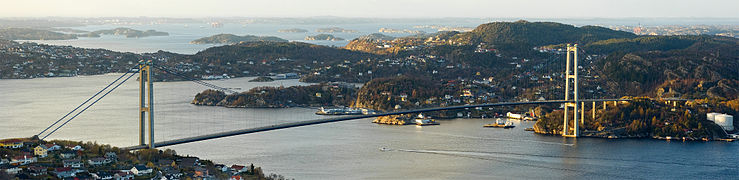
(425, 121)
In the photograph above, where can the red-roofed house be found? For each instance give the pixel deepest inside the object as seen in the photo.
(238, 168)
(11, 143)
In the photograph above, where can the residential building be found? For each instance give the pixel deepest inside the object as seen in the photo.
(41, 151)
(68, 154)
(52, 147)
(123, 175)
(64, 172)
(13, 170)
(72, 163)
(37, 170)
(238, 168)
(11, 143)
(104, 176)
(98, 161)
(139, 170)
(23, 160)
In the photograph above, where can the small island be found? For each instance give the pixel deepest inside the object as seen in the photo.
(404, 119)
(325, 37)
(262, 79)
(293, 30)
(233, 39)
(128, 32)
(335, 30)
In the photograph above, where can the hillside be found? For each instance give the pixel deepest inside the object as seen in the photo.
(232, 39)
(385, 93)
(537, 34)
(278, 97)
(709, 64)
(640, 118)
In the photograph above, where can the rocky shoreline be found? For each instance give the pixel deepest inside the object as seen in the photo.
(394, 120)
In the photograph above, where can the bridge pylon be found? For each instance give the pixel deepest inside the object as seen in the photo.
(146, 102)
(571, 78)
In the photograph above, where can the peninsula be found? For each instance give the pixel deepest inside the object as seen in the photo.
(128, 32)
(33, 34)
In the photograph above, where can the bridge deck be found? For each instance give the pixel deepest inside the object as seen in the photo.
(345, 118)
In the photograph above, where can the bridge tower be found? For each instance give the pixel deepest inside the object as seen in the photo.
(146, 93)
(571, 78)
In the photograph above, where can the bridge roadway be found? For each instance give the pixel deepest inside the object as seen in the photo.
(345, 118)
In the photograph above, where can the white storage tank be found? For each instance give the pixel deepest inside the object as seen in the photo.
(725, 121)
(711, 116)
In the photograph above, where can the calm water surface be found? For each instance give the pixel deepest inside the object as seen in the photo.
(457, 149)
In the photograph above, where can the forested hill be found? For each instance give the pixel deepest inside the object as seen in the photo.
(231, 39)
(262, 58)
(290, 51)
(682, 66)
(537, 33)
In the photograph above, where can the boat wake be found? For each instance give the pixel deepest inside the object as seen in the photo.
(463, 153)
(490, 156)
(500, 139)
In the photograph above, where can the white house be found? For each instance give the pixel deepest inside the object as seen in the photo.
(141, 170)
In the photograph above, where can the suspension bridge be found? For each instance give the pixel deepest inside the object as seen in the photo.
(146, 111)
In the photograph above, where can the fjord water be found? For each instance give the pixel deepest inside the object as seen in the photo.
(180, 35)
(456, 149)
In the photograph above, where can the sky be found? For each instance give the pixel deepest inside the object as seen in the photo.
(372, 8)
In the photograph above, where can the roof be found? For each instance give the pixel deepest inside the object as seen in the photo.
(237, 167)
(37, 168)
(62, 169)
(16, 140)
(71, 161)
(124, 173)
(140, 167)
(97, 159)
(42, 146)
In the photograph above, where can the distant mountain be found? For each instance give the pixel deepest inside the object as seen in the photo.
(129, 33)
(33, 34)
(232, 39)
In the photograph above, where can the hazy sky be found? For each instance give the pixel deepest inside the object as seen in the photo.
(373, 8)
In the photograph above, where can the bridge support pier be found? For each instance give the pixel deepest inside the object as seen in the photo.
(582, 112)
(604, 105)
(571, 77)
(146, 104)
(594, 110)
